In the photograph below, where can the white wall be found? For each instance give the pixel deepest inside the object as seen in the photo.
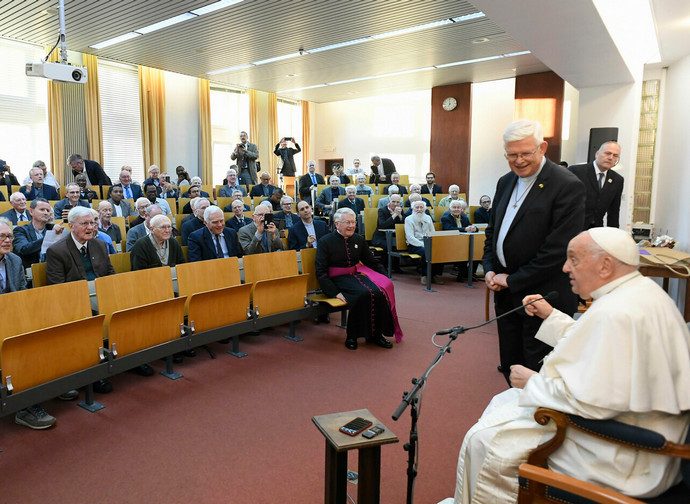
(618, 107)
(394, 126)
(672, 209)
(571, 115)
(493, 103)
(181, 123)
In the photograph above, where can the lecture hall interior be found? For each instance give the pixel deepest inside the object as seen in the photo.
(347, 80)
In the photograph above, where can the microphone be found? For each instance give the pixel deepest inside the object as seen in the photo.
(550, 296)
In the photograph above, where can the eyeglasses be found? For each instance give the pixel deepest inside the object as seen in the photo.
(523, 155)
(87, 224)
(165, 228)
(4, 236)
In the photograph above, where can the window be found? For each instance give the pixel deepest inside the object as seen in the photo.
(290, 125)
(229, 116)
(23, 110)
(120, 119)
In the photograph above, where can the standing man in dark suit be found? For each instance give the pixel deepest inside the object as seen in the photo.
(78, 256)
(603, 186)
(94, 172)
(238, 220)
(287, 153)
(28, 239)
(18, 211)
(307, 232)
(381, 169)
(431, 187)
(309, 180)
(214, 240)
(37, 189)
(246, 154)
(538, 209)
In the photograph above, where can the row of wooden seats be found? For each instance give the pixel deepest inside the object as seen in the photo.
(65, 340)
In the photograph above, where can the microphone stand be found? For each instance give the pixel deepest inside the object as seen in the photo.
(413, 400)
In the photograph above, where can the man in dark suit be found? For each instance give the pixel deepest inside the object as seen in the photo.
(483, 213)
(264, 189)
(130, 189)
(246, 154)
(94, 171)
(195, 221)
(307, 232)
(328, 198)
(285, 218)
(214, 240)
(309, 180)
(431, 187)
(238, 220)
(287, 154)
(37, 189)
(352, 202)
(231, 184)
(78, 256)
(538, 208)
(121, 207)
(28, 239)
(18, 211)
(11, 270)
(603, 186)
(395, 181)
(381, 169)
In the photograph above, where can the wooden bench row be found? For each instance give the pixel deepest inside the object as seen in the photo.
(51, 342)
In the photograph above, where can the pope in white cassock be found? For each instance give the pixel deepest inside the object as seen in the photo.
(626, 358)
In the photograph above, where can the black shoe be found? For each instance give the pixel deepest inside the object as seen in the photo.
(324, 319)
(189, 353)
(499, 368)
(143, 370)
(70, 395)
(178, 357)
(397, 270)
(382, 342)
(103, 387)
(224, 341)
(254, 333)
(461, 279)
(351, 344)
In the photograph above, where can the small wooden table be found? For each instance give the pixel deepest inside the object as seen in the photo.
(337, 446)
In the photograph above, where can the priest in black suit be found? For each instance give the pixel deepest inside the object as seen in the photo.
(538, 208)
(310, 179)
(603, 186)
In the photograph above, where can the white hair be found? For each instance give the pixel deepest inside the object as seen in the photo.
(343, 211)
(393, 189)
(521, 129)
(210, 211)
(78, 211)
(454, 186)
(157, 219)
(334, 177)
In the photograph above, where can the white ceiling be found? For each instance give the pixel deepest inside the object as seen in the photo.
(557, 32)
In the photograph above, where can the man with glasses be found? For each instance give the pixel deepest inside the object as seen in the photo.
(603, 185)
(309, 181)
(78, 257)
(71, 200)
(159, 249)
(538, 208)
(18, 211)
(246, 154)
(483, 213)
(228, 189)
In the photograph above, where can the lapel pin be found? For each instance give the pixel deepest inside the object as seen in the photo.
(610, 181)
(356, 246)
(541, 186)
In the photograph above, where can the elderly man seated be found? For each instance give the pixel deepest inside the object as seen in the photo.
(417, 226)
(238, 219)
(264, 189)
(626, 358)
(367, 290)
(352, 202)
(328, 199)
(196, 182)
(237, 196)
(259, 236)
(285, 217)
(196, 220)
(214, 240)
(417, 189)
(159, 249)
(28, 239)
(105, 213)
(415, 197)
(395, 181)
(362, 188)
(232, 185)
(453, 194)
(143, 229)
(456, 219)
(383, 202)
(71, 200)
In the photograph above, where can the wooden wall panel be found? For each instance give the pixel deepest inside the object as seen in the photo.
(450, 136)
(544, 85)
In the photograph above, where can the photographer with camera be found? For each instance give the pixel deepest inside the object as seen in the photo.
(286, 153)
(246, 154)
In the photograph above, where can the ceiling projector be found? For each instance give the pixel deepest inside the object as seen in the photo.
(62, 72)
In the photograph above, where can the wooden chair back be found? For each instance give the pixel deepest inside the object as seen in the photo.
(438, 197)
(134, 288)
(279, 295)
(224, 201)
(219, 307)
(270, 265)
(371, 221)
(207, 275)
(375, 200)
(55, 305)
(172, 203)
(308, 260)
(438, 213)
(38, 275)
(471, 211)
(400, 243)
(121, 262)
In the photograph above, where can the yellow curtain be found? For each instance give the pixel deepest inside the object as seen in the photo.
(253, 119)
(152, 104)
(58, 158)
(206, 149)
(272, 136)
(305, 135)
(94, 130)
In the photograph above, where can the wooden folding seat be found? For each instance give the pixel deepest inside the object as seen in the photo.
(59, 338)
(121, 262)
(371, 221)
(38, 275)
(308, 260)
(400, 249)
(140, 309)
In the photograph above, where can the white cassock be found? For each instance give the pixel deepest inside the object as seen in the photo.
(627, 358)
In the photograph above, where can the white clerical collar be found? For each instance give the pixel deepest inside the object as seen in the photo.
(606, 288)
(530, 178)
